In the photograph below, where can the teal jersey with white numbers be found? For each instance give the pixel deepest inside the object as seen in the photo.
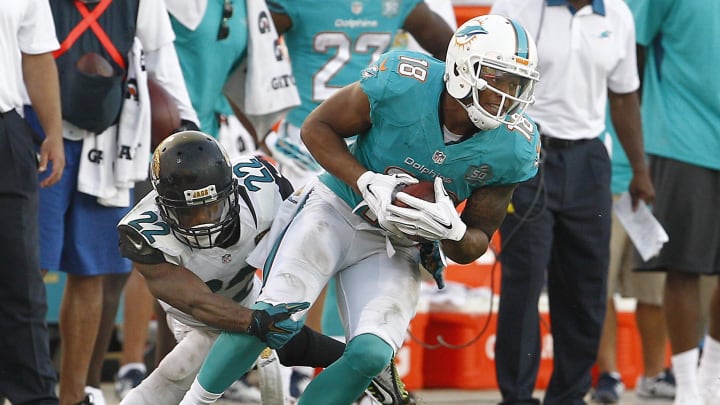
(331, 41)
(404, 90)
(681, 94)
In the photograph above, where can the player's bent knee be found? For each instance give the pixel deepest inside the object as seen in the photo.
(182, 364)
(368, 354)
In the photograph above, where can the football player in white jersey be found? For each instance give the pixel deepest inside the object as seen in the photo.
(190, 238)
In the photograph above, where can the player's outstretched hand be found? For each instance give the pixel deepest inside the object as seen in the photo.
(273, 323)
(428, 220)
(432, 260)
(378, 190)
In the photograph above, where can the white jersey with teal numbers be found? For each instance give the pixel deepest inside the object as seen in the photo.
(331, 41)
(224, 270)
(404, 90)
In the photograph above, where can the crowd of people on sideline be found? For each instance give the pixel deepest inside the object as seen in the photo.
(296, 123)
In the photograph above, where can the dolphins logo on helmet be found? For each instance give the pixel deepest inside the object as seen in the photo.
(467, 33)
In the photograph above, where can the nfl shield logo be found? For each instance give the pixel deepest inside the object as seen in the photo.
(438, 157)
(390, 8)
(356, 7)
(226, 258)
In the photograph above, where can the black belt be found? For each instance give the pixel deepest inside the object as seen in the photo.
(557, 143)
(2, 114)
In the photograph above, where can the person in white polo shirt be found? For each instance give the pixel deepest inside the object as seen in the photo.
(560, 220)
(27, 38)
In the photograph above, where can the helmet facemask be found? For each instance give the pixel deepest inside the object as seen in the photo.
(205, 218)
(514, 93)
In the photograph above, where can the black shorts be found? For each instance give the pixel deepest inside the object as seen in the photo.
(686, 204)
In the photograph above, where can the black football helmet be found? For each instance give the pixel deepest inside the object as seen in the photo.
(197, 193)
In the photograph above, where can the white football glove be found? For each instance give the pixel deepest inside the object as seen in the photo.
(427, 220)
(378, 191)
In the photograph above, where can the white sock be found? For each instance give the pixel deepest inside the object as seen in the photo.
(709, 370)
(198, 395)
(685, 368)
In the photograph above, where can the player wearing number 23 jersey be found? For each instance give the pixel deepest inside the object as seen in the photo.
(329, 43)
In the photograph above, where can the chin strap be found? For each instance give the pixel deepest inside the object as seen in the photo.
(478, 118)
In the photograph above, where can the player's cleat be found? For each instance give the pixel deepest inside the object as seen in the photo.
(388, 389)
(127, 380)
(242, 391)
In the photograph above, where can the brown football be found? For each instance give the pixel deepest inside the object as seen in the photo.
(424, 190)
(93, 63)
(164, 113)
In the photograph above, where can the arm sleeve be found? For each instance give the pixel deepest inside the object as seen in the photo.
(624, 77)
(649, 16)
(134, 247)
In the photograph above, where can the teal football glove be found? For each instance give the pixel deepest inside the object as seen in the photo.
(272, 323)
(432, 259)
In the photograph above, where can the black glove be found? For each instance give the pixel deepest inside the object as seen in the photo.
(272, 323)
(431, 260)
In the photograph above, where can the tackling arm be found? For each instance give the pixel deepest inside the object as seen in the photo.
(182, 289)
(483, 213)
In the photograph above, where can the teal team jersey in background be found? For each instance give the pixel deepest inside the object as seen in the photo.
(404, 90)
(681, 97)
(206, 64)
(330, 42)
(621, 169)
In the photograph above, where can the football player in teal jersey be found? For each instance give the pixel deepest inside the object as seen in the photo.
(329, 43)
(459, 124)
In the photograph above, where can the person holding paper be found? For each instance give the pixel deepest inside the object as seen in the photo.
(559, 229)
(681, 111)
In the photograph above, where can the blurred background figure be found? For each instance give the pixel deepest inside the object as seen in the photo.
(655, 382)
(681, 106)
(559, 234)
(27, 38)
(106, 126)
